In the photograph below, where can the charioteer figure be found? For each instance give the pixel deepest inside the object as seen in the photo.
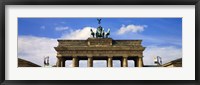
(100, 31)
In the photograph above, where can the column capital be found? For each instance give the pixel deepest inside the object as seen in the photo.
(110, 56)
(125, 56)
(74, 56)
(90, 56)
(58, 54)
(140, 56)
(59, 57)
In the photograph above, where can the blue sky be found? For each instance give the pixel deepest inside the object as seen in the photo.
(156, 33)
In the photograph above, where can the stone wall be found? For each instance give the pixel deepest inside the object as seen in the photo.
(99, 42)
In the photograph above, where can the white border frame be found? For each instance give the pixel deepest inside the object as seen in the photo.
(187, 72)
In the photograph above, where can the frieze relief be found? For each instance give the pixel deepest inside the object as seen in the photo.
(96, 52)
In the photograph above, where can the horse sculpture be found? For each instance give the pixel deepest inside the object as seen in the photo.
(107, 33)
(92, 33)
(100, 31)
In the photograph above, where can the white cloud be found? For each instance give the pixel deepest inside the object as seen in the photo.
(131, 28)
(61, 28)
(35, 48)
(79, 33)
(167, 54)
(43, 27)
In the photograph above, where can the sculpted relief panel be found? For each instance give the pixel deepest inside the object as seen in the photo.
(101, 52)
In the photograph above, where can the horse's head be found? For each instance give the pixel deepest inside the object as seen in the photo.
(108, 30)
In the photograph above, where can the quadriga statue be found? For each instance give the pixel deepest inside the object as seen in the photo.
(100, 31)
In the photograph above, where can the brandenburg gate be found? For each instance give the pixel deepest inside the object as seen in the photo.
(99, 47)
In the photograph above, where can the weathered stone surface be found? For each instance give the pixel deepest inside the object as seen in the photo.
(99, 47)
(64, 43)
(99, 42)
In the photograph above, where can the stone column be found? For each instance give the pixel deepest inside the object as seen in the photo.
(109, 62)
(90, 62)
(135, 62)
(63, 62)
(121, 63)
(139, 62)
(58, 64)
(75, 61)
(124, 62)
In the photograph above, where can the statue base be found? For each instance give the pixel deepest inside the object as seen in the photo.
(99, 41)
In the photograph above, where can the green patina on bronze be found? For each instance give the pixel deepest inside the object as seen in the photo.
(100, 31)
